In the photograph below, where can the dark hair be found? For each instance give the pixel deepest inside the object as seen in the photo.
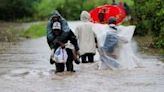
(101, 17)
(112, 20)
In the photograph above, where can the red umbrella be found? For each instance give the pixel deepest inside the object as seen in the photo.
(109, 11)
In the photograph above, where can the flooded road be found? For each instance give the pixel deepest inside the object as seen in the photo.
(24, 67)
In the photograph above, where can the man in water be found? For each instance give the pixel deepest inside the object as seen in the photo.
(62, 35)
(87, 39)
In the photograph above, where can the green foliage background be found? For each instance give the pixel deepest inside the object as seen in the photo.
(70, 9)
(148, 15)
(41, 9)
(16, 9)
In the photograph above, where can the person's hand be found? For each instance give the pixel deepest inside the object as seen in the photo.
(52, 52)
(61, 44)
(55, 41)
(96, 45)
(78, 53)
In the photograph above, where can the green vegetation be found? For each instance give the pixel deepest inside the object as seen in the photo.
(146, 45)
(148, 15)
(16, 9)
(70, 9)
(28, 10)
(9, 35)
(35, 31)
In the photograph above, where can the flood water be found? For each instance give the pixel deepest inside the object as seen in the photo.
(24, 67)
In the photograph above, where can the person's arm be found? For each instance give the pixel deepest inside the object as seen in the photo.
(73, 40)
(77, 32)
(96, 42)
(50, 36)
(57, 43)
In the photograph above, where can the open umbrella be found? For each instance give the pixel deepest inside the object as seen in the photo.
(107, 11)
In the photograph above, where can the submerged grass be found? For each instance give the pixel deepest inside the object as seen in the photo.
(9, 32)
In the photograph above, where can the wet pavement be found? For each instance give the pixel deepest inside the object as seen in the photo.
(24, 67)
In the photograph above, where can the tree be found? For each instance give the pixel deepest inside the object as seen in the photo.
(148, 16)
(15, 9)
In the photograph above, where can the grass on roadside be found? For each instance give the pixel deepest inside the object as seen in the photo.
(36, 30)
(146, 46)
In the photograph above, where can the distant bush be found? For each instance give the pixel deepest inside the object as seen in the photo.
(16, 9)
(148, 16)
(69, 9)
(28, 10)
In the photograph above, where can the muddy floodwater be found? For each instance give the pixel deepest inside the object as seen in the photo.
(24, 67)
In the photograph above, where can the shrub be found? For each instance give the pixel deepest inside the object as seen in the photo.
(148, 16)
